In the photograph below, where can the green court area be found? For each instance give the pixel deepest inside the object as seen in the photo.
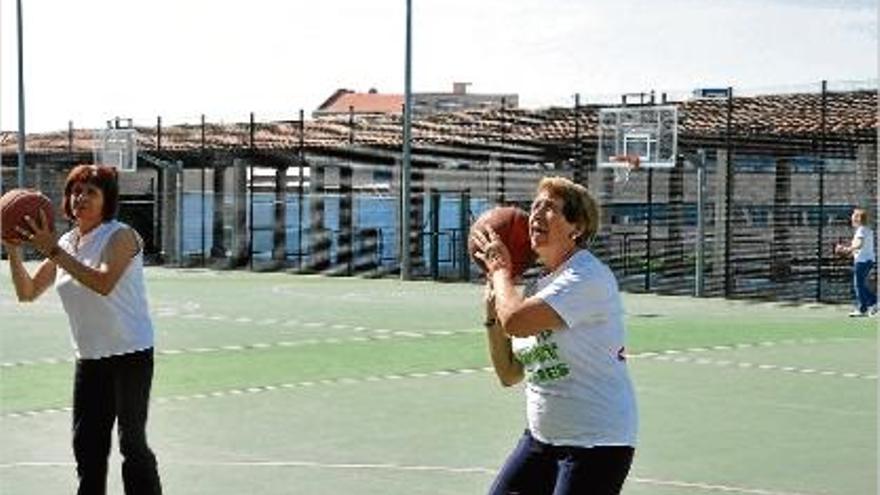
(278, 384)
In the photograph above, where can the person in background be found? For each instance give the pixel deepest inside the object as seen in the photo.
(97, 269)
(862, 251)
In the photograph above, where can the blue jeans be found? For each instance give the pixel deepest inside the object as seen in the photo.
(536, 468)
(865, 297)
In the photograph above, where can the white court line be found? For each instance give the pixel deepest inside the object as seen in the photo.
(712, 487)
(268, 388)
(756, 366)
(376, 335)
(383, 334)
(746, 345)
(417, 375)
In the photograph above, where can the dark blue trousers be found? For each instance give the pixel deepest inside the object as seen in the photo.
(865, 297)
(536, 468)
(108, 390)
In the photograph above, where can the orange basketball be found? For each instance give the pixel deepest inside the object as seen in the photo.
(18, 203)
(512, 226)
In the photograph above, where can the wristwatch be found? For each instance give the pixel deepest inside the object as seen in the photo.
(55, 251)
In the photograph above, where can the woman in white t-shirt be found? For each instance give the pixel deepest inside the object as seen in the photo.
(97, 269)
(861, 248)
(565, 337)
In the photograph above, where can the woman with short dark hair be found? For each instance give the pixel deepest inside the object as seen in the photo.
(565, 338)
(97, 269)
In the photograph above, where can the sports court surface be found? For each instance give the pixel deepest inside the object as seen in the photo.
(279, 384)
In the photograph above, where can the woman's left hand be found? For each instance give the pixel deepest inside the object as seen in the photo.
(41, 235)
(491, 251)
(489, 301)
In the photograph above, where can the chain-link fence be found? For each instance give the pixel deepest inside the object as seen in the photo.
(763, 187)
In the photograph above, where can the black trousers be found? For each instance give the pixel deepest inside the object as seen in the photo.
(536, 468)
(108, 390)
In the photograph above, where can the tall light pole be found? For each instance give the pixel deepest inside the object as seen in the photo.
(405, 262)
(21, 133)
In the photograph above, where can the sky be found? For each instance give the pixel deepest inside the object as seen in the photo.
(91, 60)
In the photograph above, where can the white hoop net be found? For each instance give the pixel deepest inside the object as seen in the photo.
(622, 174)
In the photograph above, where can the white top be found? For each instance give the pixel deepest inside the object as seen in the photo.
(866, 252)
(102, 326)
(578, 389)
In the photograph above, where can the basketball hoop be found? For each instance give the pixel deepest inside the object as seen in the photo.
(633, 138)
(116, 148)
(624, 165)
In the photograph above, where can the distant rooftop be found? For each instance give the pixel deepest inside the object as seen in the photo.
(848, 115)
(344, 101)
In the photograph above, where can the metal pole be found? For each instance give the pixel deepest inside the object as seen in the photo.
(21, 129)
(699, 281)
(179, 212)
(502, 197)
(70, 141)
(435, 234)
(650, 201)
(251, 200)
(728, 197)
(578, 151)
(351, 125)
(345, 241)
(159, 133)
(820, 231)
(405, 261)
(299, 189)
(161, 198)
(202, 208)
(463, 227)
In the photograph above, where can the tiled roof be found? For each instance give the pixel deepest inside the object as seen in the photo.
(360, 103)
(776, 117)
(796, 114)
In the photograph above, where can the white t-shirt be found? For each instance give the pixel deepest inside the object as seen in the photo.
(578, 389)
(102, 326)
(866, 252)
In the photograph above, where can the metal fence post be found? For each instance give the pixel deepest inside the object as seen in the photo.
(699, 269)
(464, 227)
(821, 220)
(728, 197)
(650, 200)
(435, 234)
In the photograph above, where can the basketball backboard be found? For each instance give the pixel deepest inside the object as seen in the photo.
(116, 148)
(649, 132)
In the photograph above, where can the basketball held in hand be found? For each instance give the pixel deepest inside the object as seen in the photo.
(512, 226)
(19, 203)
